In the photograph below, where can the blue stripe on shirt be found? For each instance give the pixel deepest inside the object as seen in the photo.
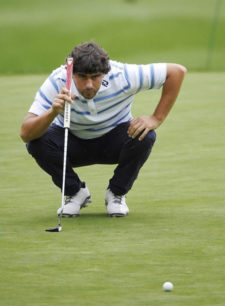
(63, 80)
(113, 76)
(127, 76)
(80, 113)
(114, 124)
(44, 97)
(140, 71)
(113, 94)
(54, 75)
(111, 106)
(103, 110)
(100, 122)
(152, 76)
(54, 84)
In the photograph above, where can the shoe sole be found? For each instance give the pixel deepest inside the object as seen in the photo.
(85, 204)
(117, 215)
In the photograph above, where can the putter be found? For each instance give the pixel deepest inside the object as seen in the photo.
(69, 73)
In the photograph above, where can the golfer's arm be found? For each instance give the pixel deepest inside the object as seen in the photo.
(171, 88)
(35, 126)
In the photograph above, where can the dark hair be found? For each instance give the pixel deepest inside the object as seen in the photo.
(90, 58)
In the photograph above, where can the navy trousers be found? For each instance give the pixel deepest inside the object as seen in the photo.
(115, 147)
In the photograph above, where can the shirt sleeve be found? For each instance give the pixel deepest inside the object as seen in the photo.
(45, 95)
(144, 77)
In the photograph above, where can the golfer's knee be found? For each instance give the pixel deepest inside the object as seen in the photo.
(34, 147)
(149, 139)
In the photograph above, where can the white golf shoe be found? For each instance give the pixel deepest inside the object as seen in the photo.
(73, 204)
(115, 204)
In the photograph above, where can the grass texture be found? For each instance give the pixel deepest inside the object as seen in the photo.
(37, 35)
(175, 230)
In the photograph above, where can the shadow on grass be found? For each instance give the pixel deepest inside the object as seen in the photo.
(83, 218)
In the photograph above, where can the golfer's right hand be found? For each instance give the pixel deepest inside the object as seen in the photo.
(59, 101)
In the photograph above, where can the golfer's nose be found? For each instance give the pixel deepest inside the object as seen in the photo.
(89, 83)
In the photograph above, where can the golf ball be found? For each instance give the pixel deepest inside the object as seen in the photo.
(167, 286)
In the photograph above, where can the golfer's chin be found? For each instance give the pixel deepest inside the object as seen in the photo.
(89, 94)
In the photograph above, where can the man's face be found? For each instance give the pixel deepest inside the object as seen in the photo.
(88, 84)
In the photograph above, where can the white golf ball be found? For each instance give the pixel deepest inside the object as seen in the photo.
(168, 286)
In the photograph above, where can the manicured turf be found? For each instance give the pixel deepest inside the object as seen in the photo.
(175, 230)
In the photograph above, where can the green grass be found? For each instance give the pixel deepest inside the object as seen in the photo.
(175, 230)
(35, 36)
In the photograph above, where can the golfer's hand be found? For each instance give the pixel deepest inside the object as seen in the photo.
(59, 101)
(139, 127)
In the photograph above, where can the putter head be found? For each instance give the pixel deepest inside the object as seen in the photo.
(54, 229)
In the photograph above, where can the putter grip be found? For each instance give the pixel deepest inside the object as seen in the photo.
(69, 73)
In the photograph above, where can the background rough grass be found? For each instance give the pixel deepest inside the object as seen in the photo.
(35, 36)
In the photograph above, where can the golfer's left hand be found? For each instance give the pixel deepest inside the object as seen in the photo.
(140, 126)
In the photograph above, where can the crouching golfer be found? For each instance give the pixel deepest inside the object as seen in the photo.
(102, 128)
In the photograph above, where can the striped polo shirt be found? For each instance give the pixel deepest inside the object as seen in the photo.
(111, 105)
